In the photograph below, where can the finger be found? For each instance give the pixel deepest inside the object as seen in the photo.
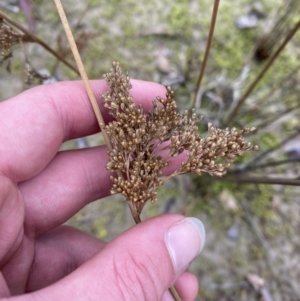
(58, 253)
(72, 180)
(140, 264)
(36, 122)
(186, 286)
(4, 290)
(11, 218)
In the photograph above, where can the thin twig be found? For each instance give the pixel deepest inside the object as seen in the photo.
(286, 14)
(208, 45)
(82, 71)
(272, 149)
(83, 74)
(174, 293)
(263, 101)
(269, 164)
(35, 39)
(261, 180)
(275, 118)
(261, 74)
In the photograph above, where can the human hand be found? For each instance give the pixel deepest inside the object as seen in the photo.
(41, 188)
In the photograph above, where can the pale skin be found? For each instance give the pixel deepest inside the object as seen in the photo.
(41, 188)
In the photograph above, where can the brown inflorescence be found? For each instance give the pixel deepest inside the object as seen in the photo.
(8, 38)
(139, 139)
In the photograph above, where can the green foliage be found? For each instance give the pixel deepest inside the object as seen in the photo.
(181, 20)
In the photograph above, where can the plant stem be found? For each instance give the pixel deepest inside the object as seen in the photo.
(262, 180)
(138, 220)
(272, 149)
(134, 214)
(276, 118)
(35, 39)
(261, 74)
(174, 293)
(267, 99)
(94, 103)
(82, 71)
(208, 45)
(265, 165)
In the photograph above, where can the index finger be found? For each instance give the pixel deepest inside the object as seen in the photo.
(35, 123)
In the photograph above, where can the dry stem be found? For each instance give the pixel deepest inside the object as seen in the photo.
(262, 180)
(272, 149)
(82, 71)
(262, 73)
(277, 117)
(208, 45)
(267, 99)
(265, 165)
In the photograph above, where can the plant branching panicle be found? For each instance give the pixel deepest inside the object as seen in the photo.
(143, 144)
(8, 38)
(32, 76)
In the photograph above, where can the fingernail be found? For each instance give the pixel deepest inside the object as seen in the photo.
(185, 240)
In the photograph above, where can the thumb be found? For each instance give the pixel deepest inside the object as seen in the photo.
(140, 264)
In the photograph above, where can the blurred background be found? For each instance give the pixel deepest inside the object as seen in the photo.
(252, 215)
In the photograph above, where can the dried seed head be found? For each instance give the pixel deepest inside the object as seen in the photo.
(138, 138)
(8, 38)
